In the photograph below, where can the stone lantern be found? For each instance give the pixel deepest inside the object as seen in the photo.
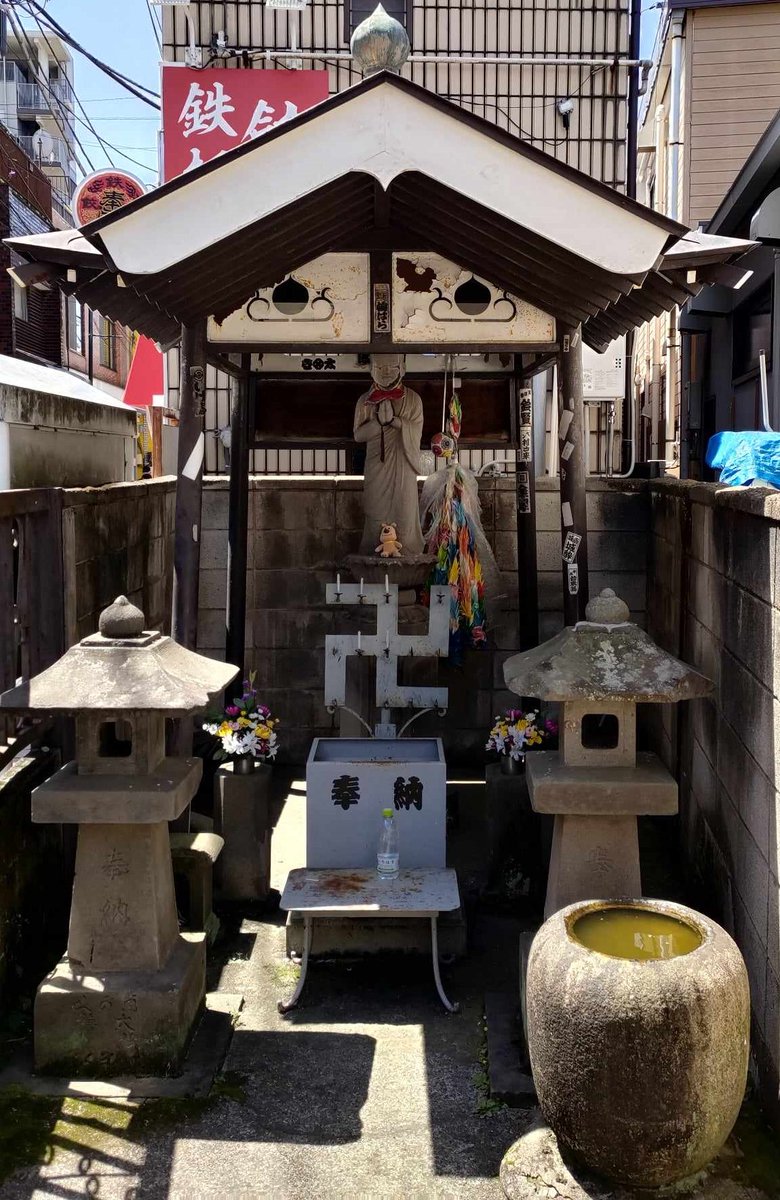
(126, 995)
(597, 783)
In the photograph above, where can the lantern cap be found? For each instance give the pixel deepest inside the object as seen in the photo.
(123, 668)
(121, 620)
(606, 657)
(607, 609)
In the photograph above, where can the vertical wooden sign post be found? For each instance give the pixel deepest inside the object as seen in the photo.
(571, 444)
(189, 484)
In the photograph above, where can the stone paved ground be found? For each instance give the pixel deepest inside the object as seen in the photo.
(369, 1090)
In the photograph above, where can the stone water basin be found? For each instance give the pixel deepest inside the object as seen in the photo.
(348, 783)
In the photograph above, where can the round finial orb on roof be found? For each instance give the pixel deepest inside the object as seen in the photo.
(606, 609)
(121, 620)
(380, 43)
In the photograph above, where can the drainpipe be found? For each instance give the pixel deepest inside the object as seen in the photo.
(675, 90)
(673, 211)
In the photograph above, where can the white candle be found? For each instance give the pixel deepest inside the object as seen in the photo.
(361, 586)
(387, 585)
(358, 641)
(387, 640)
(338, 584)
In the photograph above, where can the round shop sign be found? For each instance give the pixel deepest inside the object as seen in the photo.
(102, 193)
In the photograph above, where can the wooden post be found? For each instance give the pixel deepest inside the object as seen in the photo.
(525, 502)
(571, 434)
(189, 485)
(156, 423)
(235, 633)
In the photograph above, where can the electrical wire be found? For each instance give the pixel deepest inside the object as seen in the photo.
(57, 103)
(86, 121)
(154, 26)
(34, 9)
(54, 26)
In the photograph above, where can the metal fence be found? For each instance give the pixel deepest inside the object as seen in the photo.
(31, 598)
(588, 39)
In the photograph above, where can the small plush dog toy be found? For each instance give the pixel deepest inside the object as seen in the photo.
(389, 545)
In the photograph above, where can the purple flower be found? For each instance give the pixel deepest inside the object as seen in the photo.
(551, 726)
(514, 714)
(264, 710)
(232, 710)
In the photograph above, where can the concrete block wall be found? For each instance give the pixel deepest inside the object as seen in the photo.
(300, 531)
(117, 539)
(714, 599)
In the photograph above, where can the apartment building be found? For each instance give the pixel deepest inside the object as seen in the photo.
(36, 107)
(714, 90)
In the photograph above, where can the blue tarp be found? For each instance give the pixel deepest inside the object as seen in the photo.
(745, 457)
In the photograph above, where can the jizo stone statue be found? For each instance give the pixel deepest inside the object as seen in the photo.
(389, 422)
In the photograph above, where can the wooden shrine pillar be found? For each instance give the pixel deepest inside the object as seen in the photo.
(189, 483)
(235, 632)
(525, 504)
(571, 444)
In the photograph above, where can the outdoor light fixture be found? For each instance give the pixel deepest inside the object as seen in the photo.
(565, 108)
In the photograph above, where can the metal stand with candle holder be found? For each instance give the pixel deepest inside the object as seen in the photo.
(349, 780)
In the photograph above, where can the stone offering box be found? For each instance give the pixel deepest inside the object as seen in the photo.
(348, 783)
(597, 784)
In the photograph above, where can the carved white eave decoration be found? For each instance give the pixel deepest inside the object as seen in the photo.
(428, 291)
(382, 131)
(426, 308)
(337, 309)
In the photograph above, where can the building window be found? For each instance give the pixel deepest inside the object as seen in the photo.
(75, 326)
(357, 11)
(20, 302)
(752, 331)
(107, 343)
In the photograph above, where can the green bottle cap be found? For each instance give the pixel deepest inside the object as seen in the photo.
(387, 812)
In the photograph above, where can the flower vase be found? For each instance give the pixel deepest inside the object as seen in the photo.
(242, 816)
(511, 766)
(244, 764)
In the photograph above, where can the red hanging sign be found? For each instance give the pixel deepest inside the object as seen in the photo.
(210, 111)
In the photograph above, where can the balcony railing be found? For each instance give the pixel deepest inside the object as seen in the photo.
(45, 149)
(61, 205)
(33, 97)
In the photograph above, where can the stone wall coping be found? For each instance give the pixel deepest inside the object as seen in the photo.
(108, 492)
(351, 483)
(756, 501)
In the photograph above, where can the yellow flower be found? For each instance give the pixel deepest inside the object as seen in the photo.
(244, 722)
(223, 729)
(263, 732)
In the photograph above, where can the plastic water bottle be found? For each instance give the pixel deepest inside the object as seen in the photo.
(387, 857)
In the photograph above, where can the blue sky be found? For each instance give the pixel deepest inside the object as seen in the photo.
(120, 32)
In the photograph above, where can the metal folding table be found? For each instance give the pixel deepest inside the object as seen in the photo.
(348, 893)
